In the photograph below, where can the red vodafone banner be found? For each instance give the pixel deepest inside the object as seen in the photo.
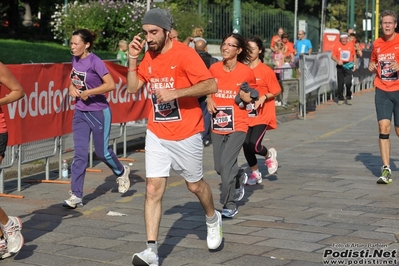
(46, 111)
(125, 106)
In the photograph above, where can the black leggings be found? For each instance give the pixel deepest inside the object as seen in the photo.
(253, 144)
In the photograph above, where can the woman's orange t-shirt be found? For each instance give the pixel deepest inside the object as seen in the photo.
(267, 83)
(180, 67)
(385, 53)
(289, 48)
(275, 39)
(229, 116)
(3, 124)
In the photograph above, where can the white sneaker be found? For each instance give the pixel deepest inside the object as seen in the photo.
(145, 258)
(13, 237)
(385, 177)
(124, 181)
(73, 201)
(255, 178)
(214, 234)
(271, 162)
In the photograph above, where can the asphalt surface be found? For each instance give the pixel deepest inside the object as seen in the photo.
(323, 200)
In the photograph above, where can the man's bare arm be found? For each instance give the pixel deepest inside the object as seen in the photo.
(133, 82)
(135, 48)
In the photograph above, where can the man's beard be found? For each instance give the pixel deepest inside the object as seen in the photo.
(159, 45)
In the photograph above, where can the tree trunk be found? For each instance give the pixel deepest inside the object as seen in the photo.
(13, 16)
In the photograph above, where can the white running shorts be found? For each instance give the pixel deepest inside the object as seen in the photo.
(183, 156)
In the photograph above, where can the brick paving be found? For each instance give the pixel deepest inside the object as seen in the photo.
(323, 196)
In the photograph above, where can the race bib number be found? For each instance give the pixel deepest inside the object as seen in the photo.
(345, 55)
(165, 111)
(223, 119)
(78, 79)
(252, 112)
(387, 73)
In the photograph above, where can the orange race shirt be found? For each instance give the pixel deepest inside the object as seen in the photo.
(3, 125)
(275, 39)
(267, 83)
(386, 52)
(180, 67)
(229, 117)
(345, 53)
(289, 48)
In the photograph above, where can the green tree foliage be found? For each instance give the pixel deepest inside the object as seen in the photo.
(186, 19)
(110, 20)
(337, 15)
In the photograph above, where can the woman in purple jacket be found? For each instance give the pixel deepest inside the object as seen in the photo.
(90, 80)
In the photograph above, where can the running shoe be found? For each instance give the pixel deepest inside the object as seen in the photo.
(229, 213)
(242, 179)
(145, 258)
(73, 202)
(385, 177)
(271, 162)
(214, 233)
(124, 181)
(13, 237)
(255, 178)
(207, 143)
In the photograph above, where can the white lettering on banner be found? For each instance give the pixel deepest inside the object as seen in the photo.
(318, 70)
(52, 100)
(120, 95)
(43, 103)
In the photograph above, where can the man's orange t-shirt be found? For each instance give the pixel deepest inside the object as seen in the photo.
(345, 53)
(229, 116)
(385, 53)
(180, 67)
(267, 83)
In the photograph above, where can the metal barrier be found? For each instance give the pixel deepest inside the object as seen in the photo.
(7, 162)
(318, 94)
(49, 148)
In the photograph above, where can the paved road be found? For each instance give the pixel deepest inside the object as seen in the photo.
(323, 199)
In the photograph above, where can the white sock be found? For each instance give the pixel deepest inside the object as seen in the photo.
(153, 247)
(8, 224)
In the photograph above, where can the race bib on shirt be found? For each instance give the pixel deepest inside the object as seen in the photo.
(387, 73)
(345, 55)
(252, 112)
(78, 79)
(165, 111)
(223, 119)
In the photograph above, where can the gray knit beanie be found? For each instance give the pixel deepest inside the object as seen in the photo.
(158, 17)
